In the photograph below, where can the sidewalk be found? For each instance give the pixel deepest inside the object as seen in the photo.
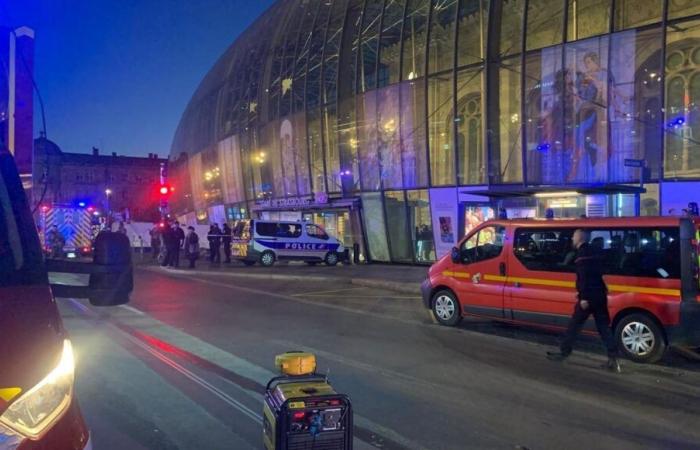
(404, 279)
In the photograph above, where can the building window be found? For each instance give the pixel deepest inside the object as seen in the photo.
(400, 241)
(421, 225)
(545, 23)
(440, 129)
(471, 35)
(587, 18)
(637, 13)
(412, 117)
(511, 24)
(442, 36)
(682, 153)
(390, 43)
(471, 166)
(683, 8)
(510, 167)
(371, 21)
(415, 26)
(388, 142)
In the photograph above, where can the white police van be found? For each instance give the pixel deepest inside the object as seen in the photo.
(268, 241)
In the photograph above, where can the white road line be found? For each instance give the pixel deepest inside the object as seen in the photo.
(132, 309)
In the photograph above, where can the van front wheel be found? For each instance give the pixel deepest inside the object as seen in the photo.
(331, 258)
(446, 308)
(640, 338)
(267, 259)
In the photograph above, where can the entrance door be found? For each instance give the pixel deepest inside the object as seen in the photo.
(481, 284)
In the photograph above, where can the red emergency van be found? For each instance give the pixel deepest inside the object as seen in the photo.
(522, 271)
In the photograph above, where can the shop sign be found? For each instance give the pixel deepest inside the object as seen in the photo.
(283, 203)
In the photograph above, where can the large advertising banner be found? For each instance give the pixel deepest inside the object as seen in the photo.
(444, 210)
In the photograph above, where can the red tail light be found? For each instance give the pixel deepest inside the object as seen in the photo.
(299, 415)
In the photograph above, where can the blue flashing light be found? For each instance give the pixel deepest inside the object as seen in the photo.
(543, 147)
(81, 204)
(677, 122)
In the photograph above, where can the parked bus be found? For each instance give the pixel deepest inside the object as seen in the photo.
(522, 271)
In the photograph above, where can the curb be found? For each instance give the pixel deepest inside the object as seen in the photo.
(396, 286)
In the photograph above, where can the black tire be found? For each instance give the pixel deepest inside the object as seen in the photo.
(331, 258)
(640, 338)
(249, 263)
(446, 308)
(267, 259)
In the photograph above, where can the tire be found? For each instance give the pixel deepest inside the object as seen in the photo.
(249, 263)
(331, 259)
(640, 338)
(267, 259)
(446, 308)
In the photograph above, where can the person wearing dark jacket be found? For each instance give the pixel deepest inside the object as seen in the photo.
(191, 246)
(179, 243)
(226, 241)
(214, 238)
(170, 245)
(592, 299)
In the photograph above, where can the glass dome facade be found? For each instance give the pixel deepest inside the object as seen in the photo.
(389, 120)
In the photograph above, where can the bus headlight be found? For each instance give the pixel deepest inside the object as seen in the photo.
(39, 408)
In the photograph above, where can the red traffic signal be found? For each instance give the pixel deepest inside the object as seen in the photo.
(164, 190)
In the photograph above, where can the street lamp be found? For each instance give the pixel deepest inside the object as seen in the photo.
(108, 193)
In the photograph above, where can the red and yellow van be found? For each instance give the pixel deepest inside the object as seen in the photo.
(522, 271)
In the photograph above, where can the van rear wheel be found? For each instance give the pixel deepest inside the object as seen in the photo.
(267, 259)
(640, 338)
(446, 308)
(331, 258)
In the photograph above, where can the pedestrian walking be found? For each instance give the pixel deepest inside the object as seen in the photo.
(226, 241)
(214, 238)
(191, 246)
(592, 299)
(179, 234)
(154, 233)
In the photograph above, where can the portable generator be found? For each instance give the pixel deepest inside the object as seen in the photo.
(302, 410)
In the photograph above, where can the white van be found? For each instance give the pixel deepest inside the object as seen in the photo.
(268, 241)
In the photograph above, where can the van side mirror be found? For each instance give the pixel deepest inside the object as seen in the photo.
(455, 255)
(112, 250)
(111, 272)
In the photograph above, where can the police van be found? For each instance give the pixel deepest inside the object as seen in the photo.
(268, 241)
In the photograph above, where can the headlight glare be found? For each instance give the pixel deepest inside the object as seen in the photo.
(39, 408)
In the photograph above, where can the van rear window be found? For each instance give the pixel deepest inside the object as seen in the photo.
(638, 252)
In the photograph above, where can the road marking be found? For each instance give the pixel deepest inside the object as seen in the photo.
(333, 291)
(177, 367)
(132, 309)
(388, 438)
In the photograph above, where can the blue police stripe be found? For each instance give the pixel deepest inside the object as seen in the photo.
(297, 246)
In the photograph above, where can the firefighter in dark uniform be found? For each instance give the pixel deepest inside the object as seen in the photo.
(592, 299)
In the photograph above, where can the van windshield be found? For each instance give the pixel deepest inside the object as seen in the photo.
(20, 255)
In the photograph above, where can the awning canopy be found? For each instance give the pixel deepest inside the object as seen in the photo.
(496, 192)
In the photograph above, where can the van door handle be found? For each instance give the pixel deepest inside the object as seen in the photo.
(502, 268)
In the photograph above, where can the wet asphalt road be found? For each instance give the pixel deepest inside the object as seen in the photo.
(184, 364)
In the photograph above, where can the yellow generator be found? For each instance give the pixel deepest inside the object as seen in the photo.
(302, 410)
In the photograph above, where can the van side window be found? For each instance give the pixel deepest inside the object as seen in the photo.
(636, 252)
(545, 249)
(289, 230)
(487, 243)
(266, 229)
(315, 231)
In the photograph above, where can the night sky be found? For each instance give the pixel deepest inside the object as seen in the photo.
(118, 74)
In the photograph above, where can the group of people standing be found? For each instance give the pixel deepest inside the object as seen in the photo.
(168, 239)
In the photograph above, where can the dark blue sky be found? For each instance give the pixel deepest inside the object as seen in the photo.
(117, 74)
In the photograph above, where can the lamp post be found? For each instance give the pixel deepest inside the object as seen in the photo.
(108, 194)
